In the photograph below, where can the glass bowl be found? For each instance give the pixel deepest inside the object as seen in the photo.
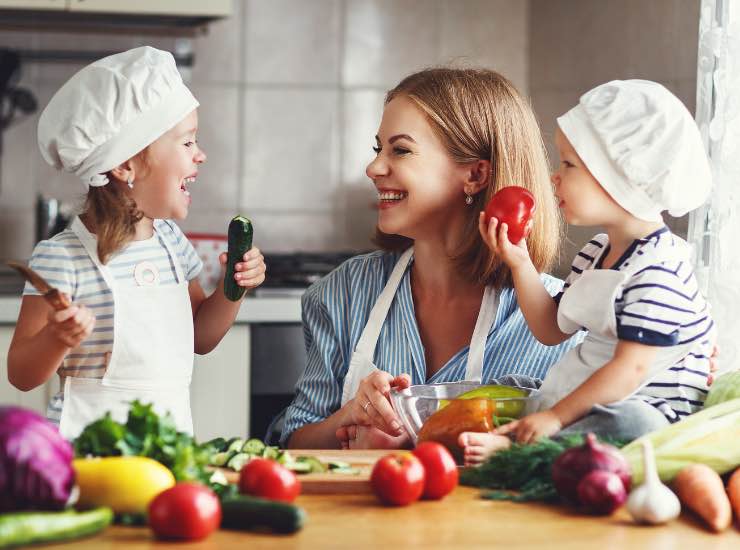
(435, 412)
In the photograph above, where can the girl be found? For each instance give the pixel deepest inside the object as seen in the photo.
(126, 125)
(433, 305)
(628, 151)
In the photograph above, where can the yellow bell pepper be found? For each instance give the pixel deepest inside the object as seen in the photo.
(124, 483)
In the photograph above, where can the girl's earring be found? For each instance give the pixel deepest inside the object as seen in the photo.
(130, 182)
(468, 199)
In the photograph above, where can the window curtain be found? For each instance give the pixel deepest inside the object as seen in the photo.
(714, 229)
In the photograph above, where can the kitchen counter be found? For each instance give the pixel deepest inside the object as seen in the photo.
(462, 520)
(253, 310)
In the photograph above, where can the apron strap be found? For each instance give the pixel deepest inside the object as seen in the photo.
(369, 338)
(91, 247)
(173, 255)
(486, 318)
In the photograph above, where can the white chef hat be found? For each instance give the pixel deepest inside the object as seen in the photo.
(643, 147)
(111, 110)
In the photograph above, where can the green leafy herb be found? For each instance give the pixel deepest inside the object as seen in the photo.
(522, 468)
(145, 433)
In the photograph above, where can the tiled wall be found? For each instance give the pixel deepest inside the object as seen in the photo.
(578, 44)
(291, 94)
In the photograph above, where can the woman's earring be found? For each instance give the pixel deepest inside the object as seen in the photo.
(130, 182)
(468, 199)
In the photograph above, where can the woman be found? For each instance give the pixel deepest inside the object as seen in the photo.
(434, 305)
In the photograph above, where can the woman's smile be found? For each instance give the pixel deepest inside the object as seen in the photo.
(388, 198)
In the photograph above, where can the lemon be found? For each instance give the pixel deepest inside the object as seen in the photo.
(124, 483)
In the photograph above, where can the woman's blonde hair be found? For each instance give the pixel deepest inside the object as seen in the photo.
(111, 215)
(479, 115)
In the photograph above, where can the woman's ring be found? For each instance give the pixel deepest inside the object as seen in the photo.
(365, 406)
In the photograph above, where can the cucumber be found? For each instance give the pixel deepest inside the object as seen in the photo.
(246, 513)
(253, 446)
(19, 528)
(240, 241)
(238, 461)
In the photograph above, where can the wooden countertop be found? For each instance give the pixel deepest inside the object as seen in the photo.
(461, 520)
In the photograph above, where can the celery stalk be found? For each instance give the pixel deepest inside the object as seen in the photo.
(710, 436)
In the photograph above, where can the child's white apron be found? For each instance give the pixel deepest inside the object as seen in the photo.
(589, 303)
(361, 362)
(152, 356)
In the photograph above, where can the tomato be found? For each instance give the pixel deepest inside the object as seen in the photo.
(398, 479)
(187, 511)
(440, 468)
(513, 206)
(268, 479)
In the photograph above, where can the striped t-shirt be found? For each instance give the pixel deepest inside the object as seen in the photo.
(660, 305)
(336, 310)
(66, 265)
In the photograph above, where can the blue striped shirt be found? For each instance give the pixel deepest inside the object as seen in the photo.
(65, 264)
(660, 305)
(336, 310)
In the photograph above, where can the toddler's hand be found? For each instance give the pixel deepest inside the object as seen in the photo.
(71, 325)
(249, 273)
(533, 427)
(497, 239)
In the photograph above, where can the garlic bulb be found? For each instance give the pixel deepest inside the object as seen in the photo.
(652, 502)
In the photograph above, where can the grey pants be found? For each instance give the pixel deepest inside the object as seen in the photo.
(627, 420)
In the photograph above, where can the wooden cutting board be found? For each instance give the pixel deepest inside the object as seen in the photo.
(331, 483)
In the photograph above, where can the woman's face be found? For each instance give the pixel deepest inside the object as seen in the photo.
(420, 187)
(581, 198)
(168, 168)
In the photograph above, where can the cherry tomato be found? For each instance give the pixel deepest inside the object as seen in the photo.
(513, 206)
(398, 479)
(268, 479)
(440, 468)
(187, 511)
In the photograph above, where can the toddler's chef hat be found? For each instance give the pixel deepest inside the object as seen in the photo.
(642, 145)
(111, 110)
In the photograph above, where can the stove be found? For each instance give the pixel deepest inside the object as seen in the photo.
(291, 274)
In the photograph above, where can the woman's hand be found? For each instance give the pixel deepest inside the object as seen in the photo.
(371, 405)
(369, 437)
(249, 273)
(497, 239)
(532, 427)
(71, 325)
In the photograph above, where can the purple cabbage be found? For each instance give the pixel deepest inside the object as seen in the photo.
(35, 462)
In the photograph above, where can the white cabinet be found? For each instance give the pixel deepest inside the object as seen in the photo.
(219, 393)
(34, 4)
(35, 399)
(212, 8)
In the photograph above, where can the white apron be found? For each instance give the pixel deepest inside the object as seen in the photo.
(152, 356)
(589, 303)
(361, 363)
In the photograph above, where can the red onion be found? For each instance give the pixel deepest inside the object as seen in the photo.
(35, 462)
(601, 492)
(571, 466)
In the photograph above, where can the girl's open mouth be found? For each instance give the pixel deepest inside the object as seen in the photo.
(187, 181)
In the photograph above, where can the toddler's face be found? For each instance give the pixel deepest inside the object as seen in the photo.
(581, 198)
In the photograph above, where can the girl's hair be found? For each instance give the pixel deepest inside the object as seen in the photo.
(112, 215)
(479, 114)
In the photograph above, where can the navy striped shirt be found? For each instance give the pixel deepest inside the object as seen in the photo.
(336, 310)
(660, 305)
